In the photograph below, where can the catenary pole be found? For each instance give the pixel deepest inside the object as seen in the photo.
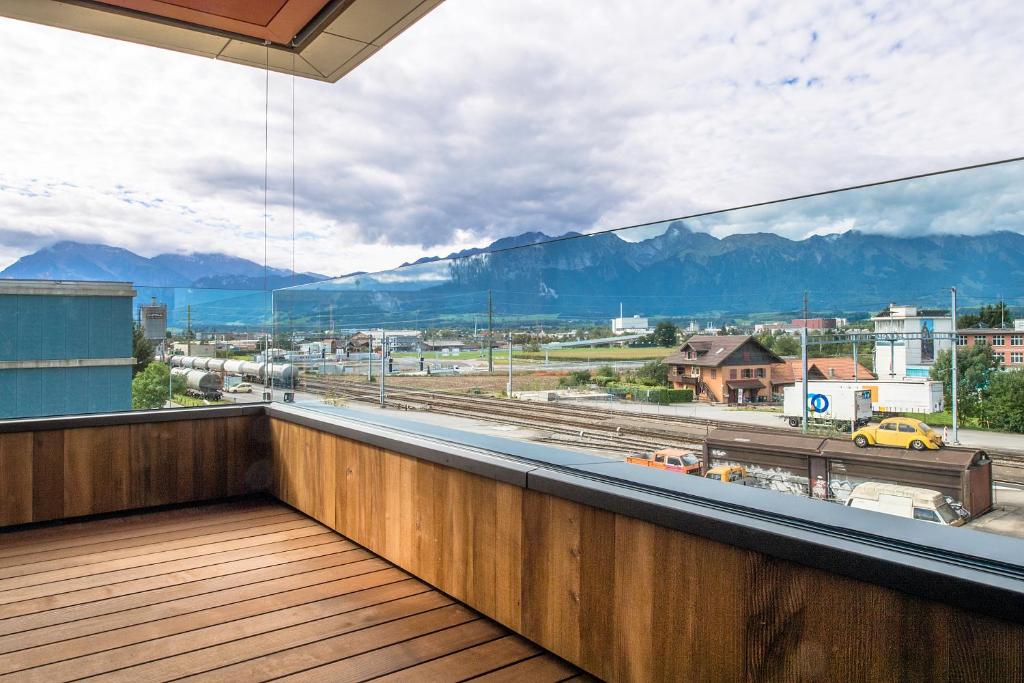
(490, 331)
(383, 363)
(953, 370)
(509, 389)
(803, 362)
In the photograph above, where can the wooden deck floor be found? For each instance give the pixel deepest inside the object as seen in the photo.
(235, 592)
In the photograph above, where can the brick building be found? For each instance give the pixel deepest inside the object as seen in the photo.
(1007, 344)
(726, 368)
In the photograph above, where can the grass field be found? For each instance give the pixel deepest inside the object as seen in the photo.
(468, 384)
(193, 402)
(611, 354)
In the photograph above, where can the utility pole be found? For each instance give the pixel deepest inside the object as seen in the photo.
(188, 331)
(803, 380)
(508, 392)
(490, 331)
(383, 364)
(956, 339)
(856, 361)
(803, 360)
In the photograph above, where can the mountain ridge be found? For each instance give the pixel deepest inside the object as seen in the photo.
(70, 260)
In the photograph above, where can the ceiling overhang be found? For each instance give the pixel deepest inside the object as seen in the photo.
(318, 39)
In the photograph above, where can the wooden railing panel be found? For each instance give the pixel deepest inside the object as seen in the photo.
(97, 470)
(302, 473)
(60, 473)
(16, 473)
(627, 599)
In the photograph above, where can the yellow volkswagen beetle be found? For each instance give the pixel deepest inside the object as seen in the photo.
(901, 432)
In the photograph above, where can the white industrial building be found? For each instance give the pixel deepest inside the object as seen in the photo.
(912, 357)
(630, 326)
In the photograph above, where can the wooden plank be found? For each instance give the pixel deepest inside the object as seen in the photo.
(96, 470)
(169, 587)
(187, 648)
(157, 450)
(72, 544)
(599, 575)
(260, 545)
(540, 669)
(16, 503)
(629, 633)
(139, 608)
(47, 475)
(508, 543)
(551, 574)
(210, 453)
(126, 558)
(71, 533)
(285, 650)
(473, 661)
(408, 653)
(304, 470)
(91, 655)
(428, 516)
(29, 563)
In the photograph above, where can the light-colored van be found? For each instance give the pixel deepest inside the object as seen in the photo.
(904, 501)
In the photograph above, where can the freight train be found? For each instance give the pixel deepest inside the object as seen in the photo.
(200, 383)
(281, 374)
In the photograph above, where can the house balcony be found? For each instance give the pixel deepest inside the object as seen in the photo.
(266, 541)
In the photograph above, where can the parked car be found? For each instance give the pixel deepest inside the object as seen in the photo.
(901, 432)
(728, 474)
(905, 501)
(240, 388)
(672, 459)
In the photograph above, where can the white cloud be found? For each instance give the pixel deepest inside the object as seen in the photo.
(491, 118)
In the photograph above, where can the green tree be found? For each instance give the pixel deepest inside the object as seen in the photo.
(976, 366)
(606, 371)
(786, 345)
(653, 374)
(994, 315)
(142, 350)
(1004, 406)
(149, 387)
(665, 334)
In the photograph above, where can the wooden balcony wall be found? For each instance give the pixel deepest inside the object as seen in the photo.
(623, 598)
(626, 599)
(54, 474)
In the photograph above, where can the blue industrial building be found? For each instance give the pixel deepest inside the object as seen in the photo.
(65, 347)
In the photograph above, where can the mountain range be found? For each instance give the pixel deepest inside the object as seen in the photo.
(683, 273)
(79, 261)
(678, 273)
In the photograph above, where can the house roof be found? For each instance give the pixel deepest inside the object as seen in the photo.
(318, 39)
(819, 368)
(713, 350)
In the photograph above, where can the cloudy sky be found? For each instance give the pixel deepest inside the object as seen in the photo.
(490, 118)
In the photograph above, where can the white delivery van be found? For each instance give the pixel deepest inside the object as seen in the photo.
(904, 501)
(828, 405)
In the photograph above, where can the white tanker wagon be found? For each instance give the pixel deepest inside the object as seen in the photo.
(281, 374)
(200, 383)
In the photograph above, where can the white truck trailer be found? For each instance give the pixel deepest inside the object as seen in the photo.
(844, 408)
(890, 397)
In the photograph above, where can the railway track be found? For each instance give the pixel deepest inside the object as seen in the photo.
(601, 426)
